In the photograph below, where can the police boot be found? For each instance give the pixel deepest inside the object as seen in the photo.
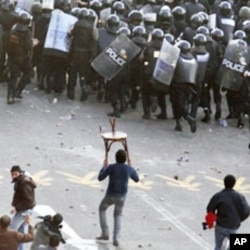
(240, 123)
(217, 112)
(207, 117)
(178, 126)
(192, 123)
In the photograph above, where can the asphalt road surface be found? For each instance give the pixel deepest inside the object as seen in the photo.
(58, 142)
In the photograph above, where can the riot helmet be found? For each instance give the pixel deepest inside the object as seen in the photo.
(60, 4)
(195, 21)
(179, 12)
(217, 34)
(124, 30)
(225, 9)
(240, 34)
(84, 13)
(75, 11)
(157, 34)
(184, 46)
(244, 12)
(106, 3)
(135, 17)
(204, 16)
(118, 8)
(92, 15)
(165, 15)
(112, 23)
(36, 8)
(203, 30)
(23, 21)
(5, 5)
(139, 31)
(96, 5)
(246, 28)
(170, 38)
(199, 39)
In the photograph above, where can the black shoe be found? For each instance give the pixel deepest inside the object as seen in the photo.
(161, 116)
(102, 237)
(192, 123)
(178, 127)
(116, 243)
(207, 117)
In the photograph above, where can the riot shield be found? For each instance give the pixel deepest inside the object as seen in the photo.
(212, 21)
(146, 9)
(48, 4)
(115, 56)
(228, 26)
(202, 60)
(24, 5)
(234, 63)
(57, 37)
(165, 64)
(1, 41)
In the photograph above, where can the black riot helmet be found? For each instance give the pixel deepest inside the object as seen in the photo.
(246, 28)
(60, 4)
(112, 23)
(84, 14)
(165, 15)
(23, 21)
(203, 30)
(184, 46)
(225, 9)
(204, 17)
(195, 21)
(170, 38)
(217, 34)
(95, 5)
(240, 34)
(124, 30)
(157, 34)
(118, 8)
(75, 11)
(106, 3)
(179, 13)
(199, 39)
(135, 17)
(139, 31)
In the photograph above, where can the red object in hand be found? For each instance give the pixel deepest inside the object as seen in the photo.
(210, 219)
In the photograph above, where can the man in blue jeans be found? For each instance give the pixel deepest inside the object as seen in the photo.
(230, 208)
(119, 174)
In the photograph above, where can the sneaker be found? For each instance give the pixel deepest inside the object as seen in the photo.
(116, 243)
(102, 237)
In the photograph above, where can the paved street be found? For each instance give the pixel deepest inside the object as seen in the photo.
(58, 141)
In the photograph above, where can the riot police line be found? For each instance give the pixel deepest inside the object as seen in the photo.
(131, 49)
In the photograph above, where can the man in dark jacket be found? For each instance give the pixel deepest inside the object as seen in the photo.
(119, 174)
(23, 198)
(9, 239)
(230, 208)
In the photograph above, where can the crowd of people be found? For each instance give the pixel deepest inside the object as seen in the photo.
(202, 30)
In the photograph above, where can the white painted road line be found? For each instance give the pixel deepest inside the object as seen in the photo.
(168, 216)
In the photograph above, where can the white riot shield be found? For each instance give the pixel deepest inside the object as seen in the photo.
(212, 21)
(48, 4)
(57, 37)
(234, 63)
(24, 5)
(202, 60)
(166, 63)
(115, 56)
(146, 9)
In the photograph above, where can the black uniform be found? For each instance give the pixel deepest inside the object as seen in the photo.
(19, 49)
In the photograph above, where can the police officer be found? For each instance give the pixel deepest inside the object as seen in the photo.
(179, 20)
(216, 51)
(148, 93)
(136, 66)
(7, 19)
(84, 38)
(19, 49)
(180, 88)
